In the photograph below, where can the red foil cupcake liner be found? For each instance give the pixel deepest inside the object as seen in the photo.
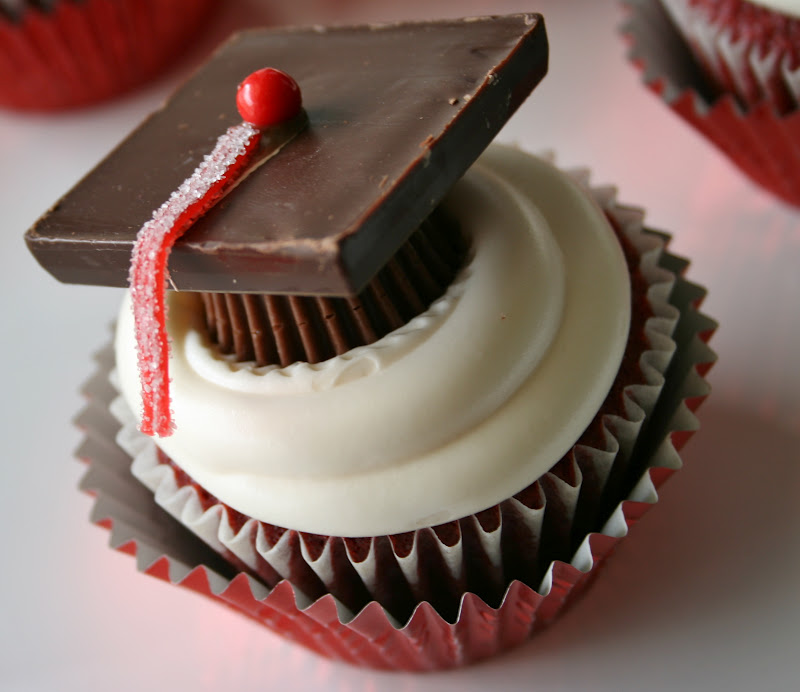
(758, 139)
(83, 51)
(427, 639)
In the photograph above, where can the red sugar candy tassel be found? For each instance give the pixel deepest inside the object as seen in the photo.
(278, 99)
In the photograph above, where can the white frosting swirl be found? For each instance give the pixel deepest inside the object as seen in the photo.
(464, 406)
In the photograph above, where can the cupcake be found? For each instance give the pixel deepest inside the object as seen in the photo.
(731, 69)
(407, 434)
(57, 54)
(750, 49)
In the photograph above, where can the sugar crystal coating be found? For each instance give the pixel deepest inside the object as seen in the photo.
(148, 273)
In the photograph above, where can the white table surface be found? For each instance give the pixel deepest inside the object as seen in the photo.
(703, 596)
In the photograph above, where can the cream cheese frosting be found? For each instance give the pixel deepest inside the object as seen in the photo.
(459, 409)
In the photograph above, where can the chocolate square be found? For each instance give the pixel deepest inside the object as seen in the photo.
(397, 113)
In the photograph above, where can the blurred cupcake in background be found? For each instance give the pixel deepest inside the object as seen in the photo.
(731, 68)
(750, 49)
(57, 54)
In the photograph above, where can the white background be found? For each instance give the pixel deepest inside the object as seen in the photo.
(705, 593)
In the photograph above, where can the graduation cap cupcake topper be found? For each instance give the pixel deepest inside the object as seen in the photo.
(395, 114)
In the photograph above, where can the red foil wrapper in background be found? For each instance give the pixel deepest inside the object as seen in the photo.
(758, 139)
(371, 637)
(744, 48)
(80, 52)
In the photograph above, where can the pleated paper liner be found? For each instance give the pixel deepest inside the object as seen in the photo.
(76, 52)
(746, 49)
(659, 422)
(759, 140)
(275, 329)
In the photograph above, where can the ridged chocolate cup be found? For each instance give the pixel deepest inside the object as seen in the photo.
(281, 330)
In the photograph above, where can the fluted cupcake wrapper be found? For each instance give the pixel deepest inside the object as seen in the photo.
(79, 52)
(439, 631)
(758, 139)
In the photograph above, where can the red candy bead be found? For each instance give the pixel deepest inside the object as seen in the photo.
(268, 97)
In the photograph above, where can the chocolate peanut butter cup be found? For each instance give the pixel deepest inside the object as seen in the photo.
(271, 329)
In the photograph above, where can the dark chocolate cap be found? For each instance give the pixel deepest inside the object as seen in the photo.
(397, 113)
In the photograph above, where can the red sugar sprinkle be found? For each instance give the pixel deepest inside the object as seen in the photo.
(211, 179)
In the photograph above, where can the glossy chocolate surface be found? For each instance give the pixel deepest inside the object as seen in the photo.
(396, 114)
